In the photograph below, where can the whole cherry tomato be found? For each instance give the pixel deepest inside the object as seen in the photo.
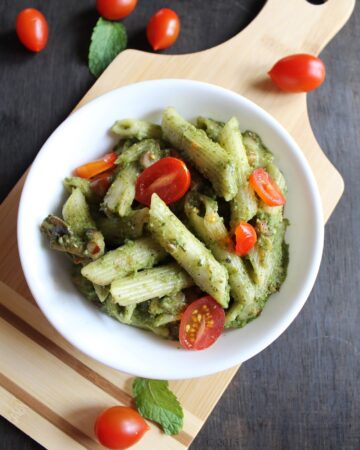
(163, 29)
(120, 427)
(245, 238)
(298, 73)
(115, 9)
(266, 188)
(169, 178)
(32, 29)
(201, 324)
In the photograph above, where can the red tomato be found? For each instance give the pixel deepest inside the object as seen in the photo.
(101, 183)
(120, 427)
(32, 29)
(115, 9)
(201, 324)
(91, 169)
(298, 73)
(163, 29)
(169, 178)
(266, 188)
(245, 238)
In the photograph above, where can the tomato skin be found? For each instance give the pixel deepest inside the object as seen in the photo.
(298, 73)
(245, 238)
(163, 29)
(169, 178)
(195, 334)
(93, 168)
(120, 427)
(266, 188)
(115, 9)
(32, 29)
(101, 183)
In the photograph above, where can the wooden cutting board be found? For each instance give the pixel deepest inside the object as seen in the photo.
(50, 390)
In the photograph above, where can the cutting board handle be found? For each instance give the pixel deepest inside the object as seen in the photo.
(294, 26)
(282, 27)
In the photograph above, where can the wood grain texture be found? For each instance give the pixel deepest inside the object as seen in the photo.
(256, 412)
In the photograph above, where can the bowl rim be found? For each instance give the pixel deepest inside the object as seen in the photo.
(280, 326)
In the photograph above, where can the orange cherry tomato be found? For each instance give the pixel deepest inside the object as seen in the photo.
(115, 9)
(201, 324)
(32, 29)
(120, 427)
(266, 188)
(93, 168)
(169, 178)
(245, 238)
(298, 73)
(163, 29)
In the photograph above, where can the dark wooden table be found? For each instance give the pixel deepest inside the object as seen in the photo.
(304, 391)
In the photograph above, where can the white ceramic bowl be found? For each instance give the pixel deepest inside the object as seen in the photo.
(83, 137)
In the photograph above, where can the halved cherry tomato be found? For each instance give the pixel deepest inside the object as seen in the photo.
(298, 73)
(93, 168)
(101, 183)
(266, 188)
(169, 178)
(115, 9)
(163, 29)
(32, 29)
(245, 238)
(120, 427)
(201, 324)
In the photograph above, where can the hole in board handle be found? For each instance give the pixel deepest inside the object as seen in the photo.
(317, 2)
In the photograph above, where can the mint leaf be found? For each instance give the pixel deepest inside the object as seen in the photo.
(108, 40)
(156, 402)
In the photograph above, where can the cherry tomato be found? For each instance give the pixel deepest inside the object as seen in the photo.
(169, 178)
(298, 73)
(201, 324)
(115, 9)
(93, 168)
(120, 427)
(266, 188)
(163, 29)
(245, 238)
(101, 183)
(32, 29)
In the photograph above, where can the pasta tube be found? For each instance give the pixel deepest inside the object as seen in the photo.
(150, 283)
(188, 251)
(208, 157)
(132, 256)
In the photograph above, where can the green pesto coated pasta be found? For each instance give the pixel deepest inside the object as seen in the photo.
(244, 204)
(211, 127)
(188, 251)
(150, 283)
(132, 256)
(258, 155)
(143, 266)
(208, 157)
(76, 213)
(136, 151)
(121, 193)
(117, 230)
(72, 183)
(211, 230)
(136, 129)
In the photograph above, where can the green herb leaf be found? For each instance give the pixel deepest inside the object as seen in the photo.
(156, 402)
(108, 40)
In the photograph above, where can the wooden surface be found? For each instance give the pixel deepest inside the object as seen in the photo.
(281, 28)
(260, 414)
